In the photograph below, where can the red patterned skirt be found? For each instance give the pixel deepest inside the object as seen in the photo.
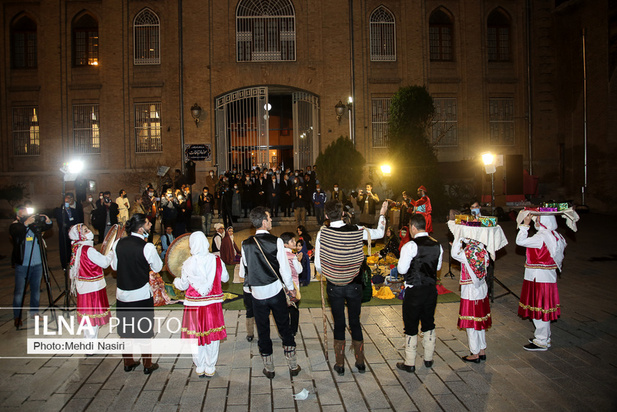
(95, 306)
(475, 314)
(539, 301)
(204, 323)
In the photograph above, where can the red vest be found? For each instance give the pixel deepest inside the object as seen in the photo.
(88, 270)
(216, 293)
(539, 259)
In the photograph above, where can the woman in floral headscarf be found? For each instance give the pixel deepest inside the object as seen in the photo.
(475, 312)
(87, 281)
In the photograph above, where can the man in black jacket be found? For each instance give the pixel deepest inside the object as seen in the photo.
(27, 259)
(106, 215)
(67, 215)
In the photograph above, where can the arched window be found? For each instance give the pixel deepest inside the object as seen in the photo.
(146, 38)
(23, 43)
(498, 36)
(85, 41)
(441, 31)
(265, 31)
(383, 35)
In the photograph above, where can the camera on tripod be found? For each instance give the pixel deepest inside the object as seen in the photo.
(40, 221)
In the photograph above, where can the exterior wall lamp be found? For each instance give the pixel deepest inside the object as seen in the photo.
(340, 110)
(196, 113)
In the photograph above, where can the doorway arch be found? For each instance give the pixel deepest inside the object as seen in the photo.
(266, 126)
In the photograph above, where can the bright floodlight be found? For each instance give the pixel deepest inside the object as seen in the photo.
(488, 159)
(75, 166)
(350, 100)
(386, 169)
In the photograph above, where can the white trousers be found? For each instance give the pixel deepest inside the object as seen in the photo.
(93, 329)
(542, 335)
(205, 358)
(477, 340)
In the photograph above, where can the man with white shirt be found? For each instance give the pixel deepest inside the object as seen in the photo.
(133, 259)
(338, 257)
(420, 260)
(264, 266)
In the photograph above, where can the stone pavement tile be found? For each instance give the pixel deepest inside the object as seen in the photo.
(282, 394)
(449, 402)
(105, 368)
(331, 408)
(43, 380)
(146, 402)
(31, 366)
(76, 405)
(327, 391)
(129, 393)
(216, 400)
(155, 381)
(220, 378)
(445, 372)
(54, 403)
(352, 398)
(88, 390)
(239, 386)
(385, 374)
(194, 394)
(175, 386)
(479, 379)
(316, 356)
(372, 391)
(77, 378)
(419, 394)
(184, 362)
(261, 402)
(434, 384)
(260, 384)
(398, 397)
(103, 399)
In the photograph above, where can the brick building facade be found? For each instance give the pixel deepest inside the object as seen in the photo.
(114, 83)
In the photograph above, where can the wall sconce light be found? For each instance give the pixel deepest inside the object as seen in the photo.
(196, 113)
(340, 110)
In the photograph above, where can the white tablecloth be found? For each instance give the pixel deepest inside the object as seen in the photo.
(492, 237)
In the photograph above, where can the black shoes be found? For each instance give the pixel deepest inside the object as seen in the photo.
(428, 363)
(131, 367)
(339, 369)
(295, 372)
(270, 375)
(468, 359)
(535, 348)
(361, 368)
(152, 368)
(249, 338)
(482, 357)
(406, 368)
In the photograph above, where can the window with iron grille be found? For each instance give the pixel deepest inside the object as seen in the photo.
(265, 31)
(445, 122)
(440, 36)
(146, 35)
(498, 37)
(501, 121)
(383, 35)
(148, 128)
(86, 131)
(86, 41)
(23, 44)
(26, 131)
(380, 117)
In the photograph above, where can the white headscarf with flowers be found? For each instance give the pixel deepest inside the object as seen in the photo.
(78, 237)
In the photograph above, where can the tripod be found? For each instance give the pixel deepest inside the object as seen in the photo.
(37, 232)
(64, 232)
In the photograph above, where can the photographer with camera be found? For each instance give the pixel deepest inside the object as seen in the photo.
(106, 215)
(27, 258)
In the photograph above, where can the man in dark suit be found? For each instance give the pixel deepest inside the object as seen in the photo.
(106, 215)
(67, 215)
(273, 191)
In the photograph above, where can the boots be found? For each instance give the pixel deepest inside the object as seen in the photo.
(358, 348)
(339, 353)
(129, 363)
(268, 366)
(250, 329)
(149, 367)
(292, 360)
(411, 348)
(428, 341)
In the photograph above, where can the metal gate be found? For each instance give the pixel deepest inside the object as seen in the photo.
(306, 129)
(242, 129)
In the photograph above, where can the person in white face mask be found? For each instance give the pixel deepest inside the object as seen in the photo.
(87, 280)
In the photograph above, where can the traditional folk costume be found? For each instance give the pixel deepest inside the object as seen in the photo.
(203, 319)
(296, 268)
(474, 313)
(540, 297)
(87, 280)
(423, 207)
(230, 253)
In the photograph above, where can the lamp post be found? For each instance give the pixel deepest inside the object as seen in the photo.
(489, 166)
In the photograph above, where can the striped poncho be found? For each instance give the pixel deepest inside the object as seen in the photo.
(341, 254)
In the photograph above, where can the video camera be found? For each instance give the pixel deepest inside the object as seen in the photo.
(40, 221)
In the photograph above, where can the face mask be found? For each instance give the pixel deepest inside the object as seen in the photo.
(89, 199)
(475, 211)
(90, 236)
(145, 234)
(101, 197)
(336, 189)
(67, 204)
(151, 194)
(235, 187)
(318, 190)
(107, 200)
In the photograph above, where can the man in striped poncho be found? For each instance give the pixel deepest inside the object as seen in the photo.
(338, 257)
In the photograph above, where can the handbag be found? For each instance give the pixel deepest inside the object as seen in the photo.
(289, 297)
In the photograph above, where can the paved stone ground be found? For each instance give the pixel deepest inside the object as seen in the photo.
(578, 373)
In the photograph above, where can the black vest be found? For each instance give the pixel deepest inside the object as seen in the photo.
(214, 247)
(133, 268)
(257, 270)
(423, 268)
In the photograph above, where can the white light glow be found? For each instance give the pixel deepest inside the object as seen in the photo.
(488, 159)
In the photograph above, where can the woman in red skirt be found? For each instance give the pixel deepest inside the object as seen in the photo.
(540, 297)
(475, 312)
(203, 320)
(87, 280)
